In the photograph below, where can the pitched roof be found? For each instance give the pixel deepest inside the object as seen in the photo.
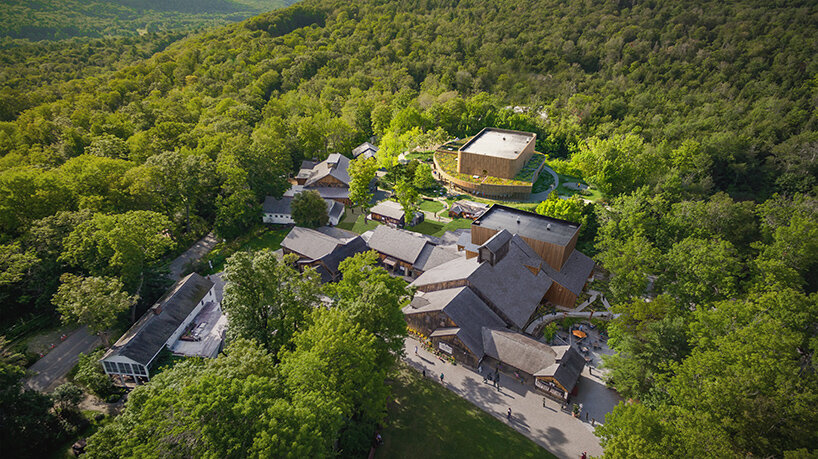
(344, 251)
(528, 224)
(334, 209)
(366, 148)
(567, 369)
(277, 206)
(517, 350)
(335, 165)
(326, 192)
(474, 208)
(397, 243)
(464, 308)
(150, 333)
(574, 273)
(309, 243)
(465, 241)
(457, 269)
(389, 209)
(434, 255)
(510, 286)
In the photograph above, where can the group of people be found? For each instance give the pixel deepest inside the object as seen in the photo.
(488, 376)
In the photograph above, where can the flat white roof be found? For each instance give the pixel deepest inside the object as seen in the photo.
(498, 143)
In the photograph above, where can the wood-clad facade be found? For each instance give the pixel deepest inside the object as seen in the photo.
(560, 295)
(554, 255)
(485, 162)
(459, 351)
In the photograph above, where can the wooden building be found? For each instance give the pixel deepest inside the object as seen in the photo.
(467, 209)
(323, 249)
(496, 152)
(406, 253)
(389, 213)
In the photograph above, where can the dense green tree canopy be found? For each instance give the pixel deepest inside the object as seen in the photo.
(309, 209)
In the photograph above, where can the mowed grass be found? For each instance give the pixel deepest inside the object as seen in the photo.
(356, 224)
(427, 420)
(260, 237)
(434, 228)
(431, 206)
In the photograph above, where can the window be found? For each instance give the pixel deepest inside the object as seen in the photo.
(109, 367)
(139, 369)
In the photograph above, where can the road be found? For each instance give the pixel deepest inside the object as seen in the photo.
(194, 253)
(47, 373)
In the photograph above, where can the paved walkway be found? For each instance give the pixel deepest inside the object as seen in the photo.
(195, 252)
(49, 370)
(543, 195)
(547, 425)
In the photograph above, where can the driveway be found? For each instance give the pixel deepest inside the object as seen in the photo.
(47, 373)
(536, 417)
(194, 253)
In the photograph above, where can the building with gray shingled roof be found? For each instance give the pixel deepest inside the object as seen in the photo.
(161, 326)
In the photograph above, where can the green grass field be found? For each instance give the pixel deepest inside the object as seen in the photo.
(431, 206)
(356, 224)
(427, 420)
(434, 228)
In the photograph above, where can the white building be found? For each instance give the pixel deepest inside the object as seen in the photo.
(279, 212)
(174, 317)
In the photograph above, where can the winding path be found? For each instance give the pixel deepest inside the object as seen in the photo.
(543, 195)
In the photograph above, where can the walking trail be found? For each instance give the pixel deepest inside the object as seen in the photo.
(536, 417)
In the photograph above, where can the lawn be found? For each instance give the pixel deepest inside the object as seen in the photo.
(356, 224)
(592, 194)
(427, 420)
(433, 228)
(260, 237)
(431, 206)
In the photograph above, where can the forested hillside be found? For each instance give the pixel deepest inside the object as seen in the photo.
(62, 19)
(697, 120)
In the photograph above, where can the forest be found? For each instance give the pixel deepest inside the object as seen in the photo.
(22, 21)
(697, 121)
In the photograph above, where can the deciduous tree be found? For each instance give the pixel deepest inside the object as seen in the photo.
(309, 209)
(92, 301)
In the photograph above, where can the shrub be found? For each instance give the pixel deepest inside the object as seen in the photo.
(89, 374)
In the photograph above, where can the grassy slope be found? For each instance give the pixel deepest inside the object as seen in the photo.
(426, 420)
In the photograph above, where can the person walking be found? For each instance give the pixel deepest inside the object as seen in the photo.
(508, 415)
(416, 350)
(441, 377)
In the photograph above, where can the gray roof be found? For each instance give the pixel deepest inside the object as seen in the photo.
(149, 334)
(335, 165)
(517, 350)
(498, 241)
(459, 268)
(309, 243)
(366, 148)
(397, 243)
(389, 209)
(334, 208)
(277, 206)
(434, 255)
(471, 207)
(465, 309)
(500, 143)
(567, 370)
(337, 233)
(527, 224)
(218, 285)
(326, 192)
(465, 241)
(344, 251)
(574, 273)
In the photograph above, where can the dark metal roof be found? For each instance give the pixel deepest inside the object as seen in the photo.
(527, 224)
(150, 333)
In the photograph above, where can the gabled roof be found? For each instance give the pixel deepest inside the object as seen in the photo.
(474, 208)
(309, 243)
(464, 240)
(464, 308)
(566, 370)
(335, 165)
(326, 192)
(389, 209)
(334, 209)
(344, 251)
(517, 350)
(149, 334)
(434, 255)
(397, 243)
(457, 269)
(574, 273)
(366, 148)
(277, 206)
